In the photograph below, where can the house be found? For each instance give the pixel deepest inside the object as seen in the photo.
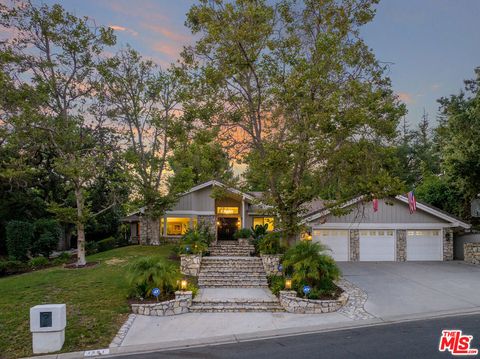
(234, 209)
(391, 233)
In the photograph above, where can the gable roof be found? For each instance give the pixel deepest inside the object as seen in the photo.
(219, 184)
(322, 212)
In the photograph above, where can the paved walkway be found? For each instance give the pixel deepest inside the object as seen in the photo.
(210, 294)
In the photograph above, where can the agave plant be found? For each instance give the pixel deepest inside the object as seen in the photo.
(152, 272)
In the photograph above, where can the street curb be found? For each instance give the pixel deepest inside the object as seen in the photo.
(263, 335)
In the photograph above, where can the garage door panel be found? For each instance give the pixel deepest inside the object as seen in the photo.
(335, 240)
(424, 245)
(377, 245)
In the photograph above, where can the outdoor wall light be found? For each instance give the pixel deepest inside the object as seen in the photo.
(183, 284)
(288, 284)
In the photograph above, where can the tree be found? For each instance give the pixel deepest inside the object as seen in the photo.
(197, 160)
(56, 54)
(457, 139)
(142, 100)
(299, 96)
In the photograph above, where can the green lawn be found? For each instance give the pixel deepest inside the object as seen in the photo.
(96, 301)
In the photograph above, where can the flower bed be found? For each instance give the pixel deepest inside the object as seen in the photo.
(179, 305)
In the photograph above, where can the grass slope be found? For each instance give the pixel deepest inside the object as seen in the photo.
(96, 301)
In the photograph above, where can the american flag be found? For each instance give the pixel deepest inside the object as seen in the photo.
(412, 202)
(375, 205)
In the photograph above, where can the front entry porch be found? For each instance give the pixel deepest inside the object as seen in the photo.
(226, 228)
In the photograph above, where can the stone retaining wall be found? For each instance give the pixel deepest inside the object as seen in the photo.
(294, 304)
(471, 253)
(270, 263)
(179, 305)
(190, 264)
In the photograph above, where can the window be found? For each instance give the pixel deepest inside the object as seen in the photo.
(162, 226)
(227, 210)
(177, 226)
(260, 221)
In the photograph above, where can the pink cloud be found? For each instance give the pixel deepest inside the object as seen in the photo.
(167, 33)
(405, 97)
(123, 28)
(167, 49)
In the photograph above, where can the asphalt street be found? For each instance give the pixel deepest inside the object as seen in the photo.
(416, 339)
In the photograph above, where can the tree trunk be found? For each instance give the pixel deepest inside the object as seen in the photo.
(81, 261)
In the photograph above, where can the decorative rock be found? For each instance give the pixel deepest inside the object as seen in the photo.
(190, 264)
(294, 304)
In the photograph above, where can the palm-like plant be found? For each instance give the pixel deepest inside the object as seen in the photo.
(308, 265)
(194, 241)
(152, 272)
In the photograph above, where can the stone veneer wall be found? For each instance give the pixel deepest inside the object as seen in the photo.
(149, 231)
(210, 222)
(294, 304)
(270, 263)
(471, 253)
(179, 305)
(447, 244)
(354, 245)
(190, 264)
(401, 245)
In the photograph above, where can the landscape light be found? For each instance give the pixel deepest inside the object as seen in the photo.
(288, 284)
(183, 284)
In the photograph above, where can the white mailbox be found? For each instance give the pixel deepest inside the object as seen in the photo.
(47, 324)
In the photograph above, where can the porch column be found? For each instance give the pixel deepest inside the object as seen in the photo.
(243, 212)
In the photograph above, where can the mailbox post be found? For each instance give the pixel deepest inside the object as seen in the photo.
(47, 324)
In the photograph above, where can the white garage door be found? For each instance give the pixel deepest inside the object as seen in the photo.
(424, 245)
(377, 245)
(336, 240)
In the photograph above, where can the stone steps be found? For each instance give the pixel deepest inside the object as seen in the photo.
(240, 306)
(231, 250)
(232, 283)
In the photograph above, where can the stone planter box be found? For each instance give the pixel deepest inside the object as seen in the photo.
(293, 304)
(471, 253)
(179, 305)
(270, 263)
(190, 264)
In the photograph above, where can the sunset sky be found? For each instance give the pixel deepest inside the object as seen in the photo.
(432, 45)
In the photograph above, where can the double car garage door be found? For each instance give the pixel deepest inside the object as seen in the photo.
(379, 244)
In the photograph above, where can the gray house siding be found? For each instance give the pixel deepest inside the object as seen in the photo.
(389, 211)
(203, 201)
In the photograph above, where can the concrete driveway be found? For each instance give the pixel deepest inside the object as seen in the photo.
(397, 289)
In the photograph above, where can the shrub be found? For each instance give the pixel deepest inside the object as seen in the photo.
(91, 247)
(106, 244)
(63, 258)
(19, 239)
(270, 243)
(47, 232)
(12, 267)
(243, 233)
(307, 265)
(150, 272)
(194, 241)
(259, 231)
(276, 283)
(45, 244)
(38, 262)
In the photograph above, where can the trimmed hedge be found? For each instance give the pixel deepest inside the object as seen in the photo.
(106, 244)
(19, 239)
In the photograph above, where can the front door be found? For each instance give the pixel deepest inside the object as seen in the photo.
(226, 227)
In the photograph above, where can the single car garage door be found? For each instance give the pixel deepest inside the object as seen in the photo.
(377, 245)
(336, 240)
(424, 245)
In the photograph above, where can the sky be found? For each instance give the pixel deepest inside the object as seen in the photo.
(431, 46)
